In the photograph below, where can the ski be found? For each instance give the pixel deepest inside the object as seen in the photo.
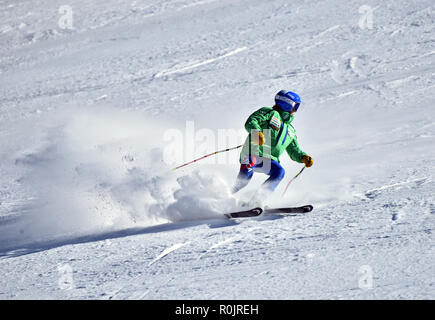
(255, 212)
(301, 209)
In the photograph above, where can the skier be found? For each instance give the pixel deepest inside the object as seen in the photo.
(270, 133)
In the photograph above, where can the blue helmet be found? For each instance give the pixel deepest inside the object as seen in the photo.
(287, 100)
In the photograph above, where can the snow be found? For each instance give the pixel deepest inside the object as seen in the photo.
(96, 112)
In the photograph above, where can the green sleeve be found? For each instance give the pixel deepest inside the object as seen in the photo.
(258, 120)
(294, 151)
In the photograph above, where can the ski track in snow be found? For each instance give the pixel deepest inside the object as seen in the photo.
(168, 251)
(89, 210)
(199, 64)
(372, 193)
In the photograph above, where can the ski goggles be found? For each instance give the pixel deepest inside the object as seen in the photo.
(287, 104)
(295, 106)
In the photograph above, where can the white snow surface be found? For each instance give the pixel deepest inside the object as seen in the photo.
(89, 205)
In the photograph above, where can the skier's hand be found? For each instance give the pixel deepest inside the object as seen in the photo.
(307, 160)
(258, 139)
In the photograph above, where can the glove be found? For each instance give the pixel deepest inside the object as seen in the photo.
(258, 139)
(307, 160)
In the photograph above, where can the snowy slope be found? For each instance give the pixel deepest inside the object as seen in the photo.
(95, 113)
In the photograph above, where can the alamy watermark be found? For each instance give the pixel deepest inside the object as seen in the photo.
(183, 146)
(66, 21)
(365, 281)
(366, 18)
(65, 281)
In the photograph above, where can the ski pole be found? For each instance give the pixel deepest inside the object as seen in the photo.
(288, 184)
(208, 155)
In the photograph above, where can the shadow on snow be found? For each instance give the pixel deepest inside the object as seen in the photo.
(15, 250)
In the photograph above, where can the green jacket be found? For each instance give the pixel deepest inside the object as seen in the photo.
(280, 136)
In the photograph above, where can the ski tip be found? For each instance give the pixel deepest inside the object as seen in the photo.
(308, 208)
(255, 212)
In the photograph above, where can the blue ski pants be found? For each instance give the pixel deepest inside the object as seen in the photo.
(258, 164)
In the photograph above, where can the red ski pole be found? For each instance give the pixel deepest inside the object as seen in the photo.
(288, 184)
(208, 155)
